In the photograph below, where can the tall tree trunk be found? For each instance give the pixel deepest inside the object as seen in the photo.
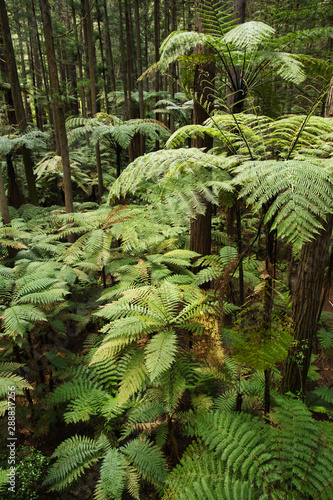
(200, 237)
(21, 119)
(79, 63)
(101, 48)
(130, 57)
(139, 65)
(93, 94)
(15, 195)
(123, 54)
(239, 9)
(57, 103)
(27, 107)
(157, 32)
(109, 53)
(306, 298)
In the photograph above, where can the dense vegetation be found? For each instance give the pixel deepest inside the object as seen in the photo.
(166, 261)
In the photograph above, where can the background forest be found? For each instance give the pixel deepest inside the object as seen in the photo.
(166, 190)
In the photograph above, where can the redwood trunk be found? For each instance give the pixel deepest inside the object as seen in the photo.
(21, 119)
(57, 103)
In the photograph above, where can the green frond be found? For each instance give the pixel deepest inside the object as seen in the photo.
(113, 474)
(325, 393)
(177, 44)
(160, 353)
(73, 389)
(196, 463)
(147, 459)
(238, 440)
(249, 35)
(295, 207)
(81, 409)
(134, 375)
(74, 455)
(17, 319)
(217, 17)
(8, 379)
(304, 460)
(141, 415)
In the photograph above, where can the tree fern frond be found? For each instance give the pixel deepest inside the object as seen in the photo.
(18, 318)
(73, 456)
(148, 460)
(217, 17)
(160, 353)
(141, 416)
(113, 474)
(73, 389)
(288, 184)
(8, 379)
(134, 375)
(249, 35)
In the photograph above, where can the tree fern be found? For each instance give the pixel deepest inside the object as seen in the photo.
(159, 171)
(238, 454)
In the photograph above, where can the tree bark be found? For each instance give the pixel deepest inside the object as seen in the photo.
(123, 60)
(306, 298)
(57, 103)
(200, 238)
(93, 94)
(21, 119)
(109, 53)
(3, 202)
(239, 9)
(139, 65)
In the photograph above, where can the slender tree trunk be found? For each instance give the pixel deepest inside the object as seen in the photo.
(79, 63)
(157, 6)
(109, 53)
(93, 94)
(130, 58)
(123, 54)
(239, 7)
(3, 202)
(59, 110)
(15, 195)
(101, 48)
(27, 107)
(21, 119)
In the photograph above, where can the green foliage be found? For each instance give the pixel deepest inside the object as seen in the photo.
(27, 289)
(174, 181)
(238, 456)
(295, 210)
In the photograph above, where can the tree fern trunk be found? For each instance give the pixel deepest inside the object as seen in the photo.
(306, 298)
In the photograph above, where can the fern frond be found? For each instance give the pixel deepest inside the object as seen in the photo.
(160, 353)
(148, 460)
(73, 456)
(249, 35)
(113, 474)
(301, 191)
(134, 376)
